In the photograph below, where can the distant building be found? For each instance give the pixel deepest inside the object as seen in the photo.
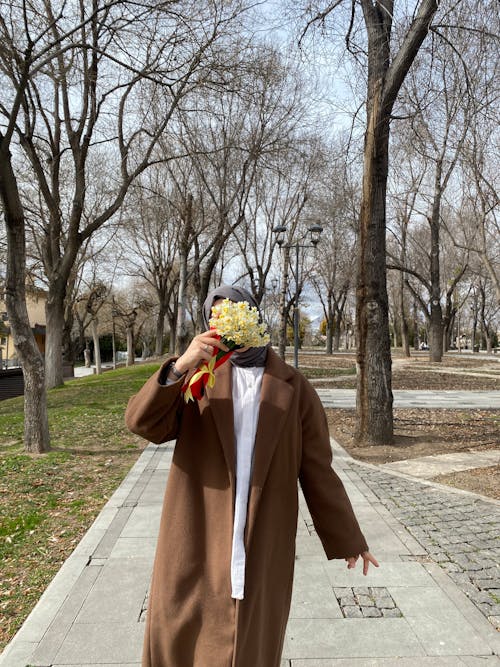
(35, 303)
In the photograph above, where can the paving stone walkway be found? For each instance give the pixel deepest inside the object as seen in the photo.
(406, 398)
(412, 611)
(458, 531)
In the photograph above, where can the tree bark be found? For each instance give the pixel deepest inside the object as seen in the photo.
(339, 305)
(130, 345)
(405, 339)
(329, 337)
(160, 330)
(385, 77)
(337, 335)
(181, 341)
(36, 426)
(97, 348)
(54, 313)
(436, 332)
(436, 312)
(374, 425)
(329, 328)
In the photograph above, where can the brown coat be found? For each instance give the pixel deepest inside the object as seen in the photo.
(192, 620)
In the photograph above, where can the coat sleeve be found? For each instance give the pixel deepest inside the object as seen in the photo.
(154, 413)
(326, 497)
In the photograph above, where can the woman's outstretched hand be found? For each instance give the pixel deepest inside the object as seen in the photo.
(367, 559)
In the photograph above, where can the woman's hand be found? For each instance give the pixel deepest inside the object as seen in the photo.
(200, 349)
(367, 559)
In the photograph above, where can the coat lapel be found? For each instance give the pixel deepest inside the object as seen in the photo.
(276, 396)
(221, 406)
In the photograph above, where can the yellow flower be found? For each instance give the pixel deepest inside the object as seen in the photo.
(238, 322)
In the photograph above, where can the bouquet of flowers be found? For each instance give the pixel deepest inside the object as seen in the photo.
(238, 326)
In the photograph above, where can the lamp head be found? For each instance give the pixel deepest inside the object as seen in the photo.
(280, 231)
(315, 233)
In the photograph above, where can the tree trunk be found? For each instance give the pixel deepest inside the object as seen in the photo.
(416, 335)
(329, 328)
(160, 330)
(130, 346)
(36, 425)
(146, 348)
(396, 338)
(436, 323)
(69, 349)
(436, 333)
(97, 348)
(336, 338)
(405, 339)
(339, 306)
(337, 334)
(54, 312)
(171, 341)
(374, 394)
(181, 341)
(489, 341)
(68, 346)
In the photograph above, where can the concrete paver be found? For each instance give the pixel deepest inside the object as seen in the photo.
(405, 398)
(439, 464)
(93, 611)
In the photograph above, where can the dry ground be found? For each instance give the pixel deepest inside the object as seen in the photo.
(423, 432)
(420, 432)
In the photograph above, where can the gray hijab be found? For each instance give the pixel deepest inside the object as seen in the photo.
(254, 356)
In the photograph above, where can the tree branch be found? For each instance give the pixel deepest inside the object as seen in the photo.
(408, 51)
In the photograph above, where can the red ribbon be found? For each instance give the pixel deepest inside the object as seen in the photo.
(197, 388)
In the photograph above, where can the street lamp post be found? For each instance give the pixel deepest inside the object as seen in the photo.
(280, 231)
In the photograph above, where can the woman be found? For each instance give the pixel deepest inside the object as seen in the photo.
(223, 572)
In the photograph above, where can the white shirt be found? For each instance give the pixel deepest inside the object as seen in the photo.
(247, 383)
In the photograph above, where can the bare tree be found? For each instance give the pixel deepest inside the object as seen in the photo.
(91, 302)
(478, 228)
(91, 82)
(69, 72)
(387, 64)
(337, 204)
(134, 313)
(439, 107)
(230, 137)
(278, 199)
(152, 229)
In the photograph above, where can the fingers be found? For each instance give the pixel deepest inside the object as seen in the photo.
(367, 559)
(206, 343)
(211, 338)
(200, 349)
(351, 562)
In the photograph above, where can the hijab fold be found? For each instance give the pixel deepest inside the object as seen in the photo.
(254, 356)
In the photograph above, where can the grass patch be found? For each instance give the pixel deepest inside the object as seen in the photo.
(48, 501)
